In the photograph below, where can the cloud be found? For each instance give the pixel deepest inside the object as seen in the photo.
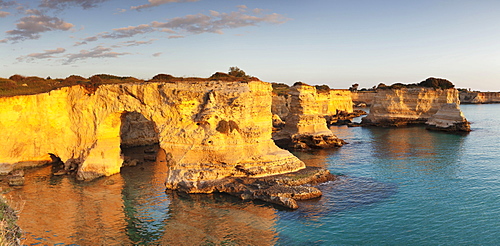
(175, 36)
(195, 24)
(154, 3)
(134, 43)
(6, 4)
(96, 52)
(200, 23)
(44, 55)
(3, 14)
(30, 27)
(157, 54)
(60, 4)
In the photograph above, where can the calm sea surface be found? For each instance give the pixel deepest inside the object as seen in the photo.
(405, 186)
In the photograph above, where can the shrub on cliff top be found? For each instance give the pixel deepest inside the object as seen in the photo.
(237, 72)
(280, 89)
(162, 77)
(437, 83)
(322, 88)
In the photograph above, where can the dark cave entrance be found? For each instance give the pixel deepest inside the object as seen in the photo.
(139, 140)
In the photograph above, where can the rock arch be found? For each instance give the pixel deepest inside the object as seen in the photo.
(83, 129)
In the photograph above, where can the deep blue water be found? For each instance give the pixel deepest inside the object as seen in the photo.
(405, 186)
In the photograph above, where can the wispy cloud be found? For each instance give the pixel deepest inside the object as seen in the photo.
(157, 54)
(44, 55)
(154, 3)
(215, 22)
(4, 14)
(30, 27)
(175, 36)
(60, 4)
(134, 43)
(6, 4)
(96, 52)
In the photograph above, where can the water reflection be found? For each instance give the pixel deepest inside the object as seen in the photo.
(59, 210)
(132, 208)
(414, 149)
(217, 219)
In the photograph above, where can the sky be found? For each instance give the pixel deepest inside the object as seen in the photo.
(332, 42)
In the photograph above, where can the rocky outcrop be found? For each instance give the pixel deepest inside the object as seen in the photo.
(448, 118)
(475, 97)
(400, 107)
(328, 102)
(207, 130)
(363, 97)
(305, 125)
(283, 189)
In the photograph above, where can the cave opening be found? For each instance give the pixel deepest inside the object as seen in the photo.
(139, 139)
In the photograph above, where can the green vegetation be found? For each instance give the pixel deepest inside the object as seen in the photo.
(431, 82)
(280, 89)
(9, 231)
(322, 88)
(21, 85)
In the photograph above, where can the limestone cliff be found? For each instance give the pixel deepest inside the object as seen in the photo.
(448, 118)
(396, 107)
(327, 102)
(207, 130)
(305, 124)
(475, 97)
(366, 97)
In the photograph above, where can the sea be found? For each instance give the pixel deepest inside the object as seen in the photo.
(395, 186)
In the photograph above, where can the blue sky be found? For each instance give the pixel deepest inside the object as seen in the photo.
(331, 42)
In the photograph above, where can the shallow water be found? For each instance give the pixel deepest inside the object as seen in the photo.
(397, 186)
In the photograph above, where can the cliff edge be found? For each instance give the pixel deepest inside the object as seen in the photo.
(207, 130)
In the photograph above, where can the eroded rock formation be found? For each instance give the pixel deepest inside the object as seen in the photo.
(475, 97)
(449, 118)
(399, 107)
(438, 108)
(207, 130)
(305, 124)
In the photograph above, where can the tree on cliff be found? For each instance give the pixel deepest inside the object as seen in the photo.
(437, 83)
(237, 72)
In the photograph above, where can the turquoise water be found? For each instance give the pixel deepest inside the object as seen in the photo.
(409, 186)
(406, 186)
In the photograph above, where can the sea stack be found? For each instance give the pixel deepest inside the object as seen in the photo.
(305, 124)
(449, 118)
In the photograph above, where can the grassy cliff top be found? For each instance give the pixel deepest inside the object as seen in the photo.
(22, 85)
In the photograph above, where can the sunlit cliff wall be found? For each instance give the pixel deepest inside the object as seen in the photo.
(408, 105)
(326, 102)
(472, 97)
(363, 97)
(305, 123)
(207, 129)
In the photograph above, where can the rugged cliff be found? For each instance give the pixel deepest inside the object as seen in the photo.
(207, 130)
(408, 105)
(363, 97)
(448, 118)
(474, 97)
(305, 123)
(415, 105)
(328, 102)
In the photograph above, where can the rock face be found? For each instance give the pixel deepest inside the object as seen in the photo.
(305, 125)
(363, 97)
(207, 130)
(399, 107)
(448, 118)
(328, 102)
(474, 97)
